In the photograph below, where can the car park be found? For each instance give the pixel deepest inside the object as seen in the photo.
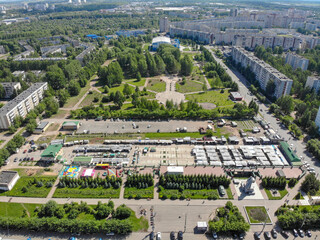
(274, 233)
(267, 235)
(180, 235)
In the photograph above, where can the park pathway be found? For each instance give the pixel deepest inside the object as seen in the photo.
(53, 189)
(124, 179)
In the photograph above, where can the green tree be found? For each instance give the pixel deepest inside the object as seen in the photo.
(2, 91)
(127, 90)
(74, 88)
(186, 65)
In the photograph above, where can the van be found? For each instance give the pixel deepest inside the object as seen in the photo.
(221, 190)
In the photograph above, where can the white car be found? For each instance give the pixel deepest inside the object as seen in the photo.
(158, 236)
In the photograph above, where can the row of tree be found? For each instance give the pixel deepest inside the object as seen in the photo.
(313, 147)
(139, 181)
(15, 143)
(193, 181)
(107, 182)
(274, 182)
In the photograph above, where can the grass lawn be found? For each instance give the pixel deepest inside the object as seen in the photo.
(16, 209)
(99, 192)
(88, 100)
(257, 214)
(229, 193)
(135, 82)
(117, 88)
(59, 114)
(188, 193)
(271, 197)
(139, 224)
(133, 192)
(74, 100)
(156, 85)
(216, 97)
(190, 86)
(44, 139)
(32, 189)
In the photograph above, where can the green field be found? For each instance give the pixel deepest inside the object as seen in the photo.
(188, 193)
(156, 85)
(27, 187)
(271, 197)
(74, 100)
(135, 82)
(17, 209)
(216, 97)
(189, 86)
(142, 193)
(88, 100)
(257, 214)
(99, 192)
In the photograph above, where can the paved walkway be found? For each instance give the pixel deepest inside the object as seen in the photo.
(170, 93)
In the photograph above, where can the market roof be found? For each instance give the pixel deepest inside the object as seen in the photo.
(82, 159)
(42, 125)
(70, 123)
(51, 150)
(175, 169)
(293, 158)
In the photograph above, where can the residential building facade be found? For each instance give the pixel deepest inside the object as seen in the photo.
(317, 121)
(313, 83)
(22, 104)
(296, 61)
(10, 88)
(164, 24)
(263, 71)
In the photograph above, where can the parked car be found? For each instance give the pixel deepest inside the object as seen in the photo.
(295, 233)
(180, 235)
(172, 236)
(267, 235)
(274, 233)
(234, 236)
(285, 234)
(214, 235)
(241, 236)
(151, 236)
(221, 190)
(301, 233)
(15, 159)
(256, 236)
(158, 236)
(308, 233)
(25, 151)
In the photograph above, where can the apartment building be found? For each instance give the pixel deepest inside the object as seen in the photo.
(263, 71)
(317, 121)
(311, 27)
(22, 104)
(313, 83)
(10, 88)
(164, 24)
(296, 61)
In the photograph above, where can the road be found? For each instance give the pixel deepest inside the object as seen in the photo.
(298, 146)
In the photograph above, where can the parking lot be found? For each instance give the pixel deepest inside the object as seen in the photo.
(120, 126)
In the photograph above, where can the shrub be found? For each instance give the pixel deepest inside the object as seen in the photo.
(174, 197)
(164, 196)
(138, 196)
(122, 212)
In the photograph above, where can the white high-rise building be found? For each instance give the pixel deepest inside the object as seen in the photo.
(297, 61)
(313, 83)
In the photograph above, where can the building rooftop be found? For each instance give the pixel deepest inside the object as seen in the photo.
(42, 125)
(161, 39)
(70, 123)
(21, 97)
(7, 176)
(292, 157)
(51, 150)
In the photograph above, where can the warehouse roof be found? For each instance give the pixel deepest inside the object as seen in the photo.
(7, 176)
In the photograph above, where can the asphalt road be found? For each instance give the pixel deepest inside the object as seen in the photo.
(298, 145)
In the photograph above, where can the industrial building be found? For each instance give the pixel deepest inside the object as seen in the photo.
(8, 179)
(22, 104)
(263, 72)
(296, 61)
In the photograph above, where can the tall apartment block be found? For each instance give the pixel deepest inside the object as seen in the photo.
(313, 83)
(263, 71)
(10, 88)
(297, 61)
(164, 24)
(22, 104)
(317, 121)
